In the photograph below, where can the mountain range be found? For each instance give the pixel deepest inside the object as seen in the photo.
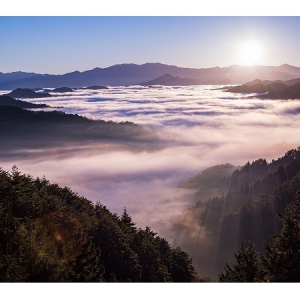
(157, 73)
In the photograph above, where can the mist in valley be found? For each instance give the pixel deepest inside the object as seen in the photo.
(183, 130)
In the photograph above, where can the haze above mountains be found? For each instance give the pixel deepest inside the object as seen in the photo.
(149, 73)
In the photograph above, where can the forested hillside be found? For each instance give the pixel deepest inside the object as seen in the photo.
(50, 234)
(253, 195)
(27, 128)
(6, 100)
(280, 261)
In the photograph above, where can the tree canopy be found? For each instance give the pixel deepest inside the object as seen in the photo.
(50, 234)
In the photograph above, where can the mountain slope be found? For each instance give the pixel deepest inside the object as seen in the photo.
(274, 89)
(244, 209)
(289, 92)
(6, 100)
(52, 128)
(26, 93)
(50, 234)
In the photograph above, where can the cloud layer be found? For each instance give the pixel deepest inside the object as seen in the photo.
(197, 126)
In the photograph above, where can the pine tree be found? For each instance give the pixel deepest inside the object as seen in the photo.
(88, 267)
(246, 268)
(182, 269)
(282, 255)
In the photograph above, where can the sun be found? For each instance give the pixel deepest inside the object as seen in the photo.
(250, 53)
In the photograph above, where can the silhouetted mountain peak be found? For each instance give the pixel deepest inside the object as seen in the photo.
(62, 90)
(27, 93)
(289, 89)
(251, 88)
(255, 81)
(95, 87)
(170, 80)
(286, 65)
(73, 73)
(167, 76)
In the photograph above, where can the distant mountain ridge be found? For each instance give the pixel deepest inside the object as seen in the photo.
(170, 80)
(131, 74)
(274, 89)
(27, 93)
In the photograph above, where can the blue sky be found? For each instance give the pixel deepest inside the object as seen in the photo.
(58, 45)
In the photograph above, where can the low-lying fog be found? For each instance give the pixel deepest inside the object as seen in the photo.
(201, 127)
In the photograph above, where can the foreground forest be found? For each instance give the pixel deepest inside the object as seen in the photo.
(50, 234)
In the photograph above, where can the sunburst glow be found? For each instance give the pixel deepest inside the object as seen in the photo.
(250, 53)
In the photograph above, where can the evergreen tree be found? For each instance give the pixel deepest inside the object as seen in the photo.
(88, 266)
(182, 269)
(50, 234)
(281, 260)
(246, 268)
(282, 256)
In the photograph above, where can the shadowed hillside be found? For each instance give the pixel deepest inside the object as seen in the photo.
(213, 229)
(24, 128)
(62, 90)
(27, 93)
(280, 260)
(6, 100)
(274, 90)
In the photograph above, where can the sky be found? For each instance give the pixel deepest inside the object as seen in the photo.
(58, 45)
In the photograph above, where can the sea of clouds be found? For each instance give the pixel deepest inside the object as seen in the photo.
(196, 127)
